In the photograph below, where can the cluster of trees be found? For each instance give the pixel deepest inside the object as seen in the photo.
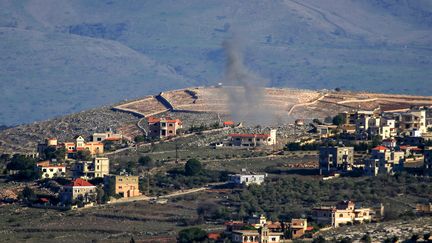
(194, 234)
(287, 197)
(192, 175)
(306, 147)
(51, 152)
(24, 167)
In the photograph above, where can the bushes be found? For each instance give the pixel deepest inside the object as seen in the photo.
(192, 235)
(290, 196)
(193, 167)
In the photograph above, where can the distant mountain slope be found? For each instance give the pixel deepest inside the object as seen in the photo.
(65, 56)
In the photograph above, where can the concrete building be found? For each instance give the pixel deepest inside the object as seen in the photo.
(252, 140)
(335, 159)
(344, 212)
(97, 168)
(109, 135)
(80, 190)
(95, 148)
(124, 185)
(247, 179)
(414, 119)
(48, 170)
(298, 227)
(384, 161)
(164, 127)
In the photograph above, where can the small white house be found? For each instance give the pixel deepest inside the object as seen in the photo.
(50, 171)
(247, 179)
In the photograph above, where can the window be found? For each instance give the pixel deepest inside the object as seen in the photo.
(341, 215)
(273, 238)
(171, 125)
(170, 131)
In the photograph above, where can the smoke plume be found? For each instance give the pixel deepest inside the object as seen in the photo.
(245, 89)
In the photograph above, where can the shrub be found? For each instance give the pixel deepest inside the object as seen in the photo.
(193, 167)
(194, 234)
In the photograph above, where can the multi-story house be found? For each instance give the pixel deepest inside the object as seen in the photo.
(78, 190)
(124, 185)
(97, 168)
(335, 159)
(95, 148)
(298, 228)
(48, 170)
(264, 232)
(384, 161)
(252, 140)
(164, 127)
(344, 212)
(414, 119)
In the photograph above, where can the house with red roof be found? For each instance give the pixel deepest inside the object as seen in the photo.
(164, 127)
(48, 170)
(78, 191)
(80, 144)
(252, 139)
(384, 160)
(228, 124)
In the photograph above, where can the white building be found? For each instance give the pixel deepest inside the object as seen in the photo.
(97, 168)
(51, 171)
(252, 140)
(247, 179)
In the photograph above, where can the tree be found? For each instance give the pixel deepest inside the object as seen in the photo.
(83, 155)
(194, 234)
(319, 239)
(25, 166)
(193, 167)
(131, 166)
(100, 198)
(28, 194)
(146, 161)
(139, 139)
(338, 120)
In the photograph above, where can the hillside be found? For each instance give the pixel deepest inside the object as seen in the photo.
(60, 57)
(204, 105)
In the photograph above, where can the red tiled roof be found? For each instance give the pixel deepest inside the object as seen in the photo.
(79, 182)
(153, 119)
(43, 199)
(380, 148)
(309, 228)
(213, 236)
(234, 223)
(243, 135)
(228, 123)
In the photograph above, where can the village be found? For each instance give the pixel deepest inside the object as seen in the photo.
(173, 158)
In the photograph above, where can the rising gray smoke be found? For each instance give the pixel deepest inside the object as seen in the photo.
(245, 89)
